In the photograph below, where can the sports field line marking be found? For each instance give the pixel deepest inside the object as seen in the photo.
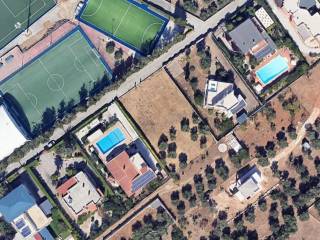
(27, 95)
(2, 39)
(121, 20)
(50, 76)
(76, 57)
(85, 69)
(95, 52)
(24, 9)
(147, 28)
(92, 14)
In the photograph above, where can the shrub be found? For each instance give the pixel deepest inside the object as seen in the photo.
(110, 47)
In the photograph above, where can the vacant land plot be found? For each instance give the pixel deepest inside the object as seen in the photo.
(259, 130)
(127, 21)
(156, 105)
(17, 15)
(305, 89)
(56, 75)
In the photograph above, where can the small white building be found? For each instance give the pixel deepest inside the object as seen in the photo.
(221, 96)
(248, 184)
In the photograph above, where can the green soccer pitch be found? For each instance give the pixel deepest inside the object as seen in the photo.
(128, 23)
(56, 75)
(16, 15)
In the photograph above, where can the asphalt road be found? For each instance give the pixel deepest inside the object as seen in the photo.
(201, 28)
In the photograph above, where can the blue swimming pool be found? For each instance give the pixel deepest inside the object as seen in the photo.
(272, 70)
(111, 140)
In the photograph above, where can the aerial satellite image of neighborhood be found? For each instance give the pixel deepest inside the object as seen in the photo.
(160, 119)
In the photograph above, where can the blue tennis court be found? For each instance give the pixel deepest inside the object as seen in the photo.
(111, 140)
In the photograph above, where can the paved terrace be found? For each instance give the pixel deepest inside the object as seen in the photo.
(200, 28)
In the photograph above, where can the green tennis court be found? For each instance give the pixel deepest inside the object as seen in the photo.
(16, 15)
(56, 75)
(129, 23)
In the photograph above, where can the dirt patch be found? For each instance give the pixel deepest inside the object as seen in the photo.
(126, 231)
(259, 130)
(156, 105)
(307, 230)
(305, 88)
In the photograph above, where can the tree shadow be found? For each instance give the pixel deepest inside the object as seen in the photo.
(17, 112)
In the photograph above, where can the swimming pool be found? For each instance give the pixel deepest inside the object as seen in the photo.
(111, 140)
(272, 70)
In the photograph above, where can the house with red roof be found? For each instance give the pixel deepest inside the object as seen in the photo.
(131, 173)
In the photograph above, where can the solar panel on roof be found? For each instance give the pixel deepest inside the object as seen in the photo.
(26, 232)
(20, 223)
(142, 180)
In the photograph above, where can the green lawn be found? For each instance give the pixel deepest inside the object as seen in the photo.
(125, 21)
(14, 16)
(56, 76)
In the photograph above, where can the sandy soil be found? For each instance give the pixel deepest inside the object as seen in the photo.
(306, 89)
(156, 105)
(257, 131)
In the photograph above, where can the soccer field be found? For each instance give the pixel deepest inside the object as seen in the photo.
(128, 22)
(56, 75)
(14, 16)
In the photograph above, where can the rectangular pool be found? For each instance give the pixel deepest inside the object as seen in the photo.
(111, 140)
(275, 68)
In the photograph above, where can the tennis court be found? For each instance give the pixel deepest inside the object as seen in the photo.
(56, 75)
(16, 15)
(128, 22)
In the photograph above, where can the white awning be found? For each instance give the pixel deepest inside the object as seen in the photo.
(11, 136)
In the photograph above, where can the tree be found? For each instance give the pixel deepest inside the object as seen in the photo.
(7, 232)
(181, 207)
(48, 119)
(110, 46)
(221, 169)
(163, 142)
(175, 197)
(262, 203)
(3, 189)
(195, 118)
(193, 200)
(183, 160)
(194, 133)
(118, 54)
(198, 97)
(177, 234)
(303, 214)
(184, 124)
(263, 161)
(173, 133)
(249, 214)
(172, 150)
(187, 191)
(203, 142)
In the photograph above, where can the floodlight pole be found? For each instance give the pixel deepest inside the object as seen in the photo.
(29, 14)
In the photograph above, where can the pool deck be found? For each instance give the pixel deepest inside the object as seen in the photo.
(127, 140)
(284, 52)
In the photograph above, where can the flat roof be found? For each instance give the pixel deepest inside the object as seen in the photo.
(38, 217)
(82, 193)
(11, 136)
